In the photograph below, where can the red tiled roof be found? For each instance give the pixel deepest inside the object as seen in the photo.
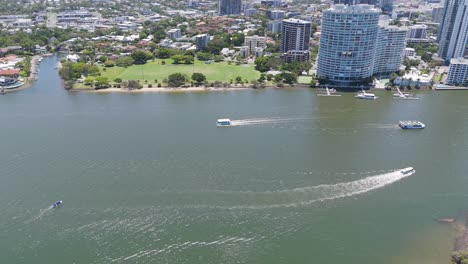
(9, 72)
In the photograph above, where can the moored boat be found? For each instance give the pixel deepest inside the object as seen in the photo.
(364, 95)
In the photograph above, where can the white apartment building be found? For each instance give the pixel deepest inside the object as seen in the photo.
(348, 43)
(458, 71)
(453, 31)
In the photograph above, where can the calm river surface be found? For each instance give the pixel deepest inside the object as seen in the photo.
(149, 178)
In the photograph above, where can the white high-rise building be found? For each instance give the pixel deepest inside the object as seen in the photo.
(391, 44)
(458, 71)
(453, 31)
(348, 43)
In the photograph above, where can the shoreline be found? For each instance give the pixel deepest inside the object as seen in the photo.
(32, 77)
(162, 90)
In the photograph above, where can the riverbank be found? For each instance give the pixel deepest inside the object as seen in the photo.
(35, 61)
(161, 90)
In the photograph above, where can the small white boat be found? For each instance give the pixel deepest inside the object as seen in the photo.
(404, 96)
(329, 92)
(409, 124)
(408, 171)
(364, 95)
(223, 122)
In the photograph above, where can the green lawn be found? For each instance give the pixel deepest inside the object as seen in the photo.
(152, 70)
(304, 79)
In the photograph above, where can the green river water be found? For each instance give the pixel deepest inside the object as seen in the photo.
(149, 178)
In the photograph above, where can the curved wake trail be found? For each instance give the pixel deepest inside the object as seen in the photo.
(293, 197)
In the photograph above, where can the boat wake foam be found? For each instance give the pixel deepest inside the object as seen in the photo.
(265, 121)
(294, 197)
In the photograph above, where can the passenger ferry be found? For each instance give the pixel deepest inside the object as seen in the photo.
(411, 124)
(364, 95)
(407, 171)
(223, 122)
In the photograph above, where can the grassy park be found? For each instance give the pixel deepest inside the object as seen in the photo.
(157, 70)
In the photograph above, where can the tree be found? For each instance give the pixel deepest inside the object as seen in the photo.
(313, 83)
(132, 84)
(218, 58)
(238, 79)
(101, 82)
(289, 78)
(176, 80)
(102, 59)
(162, 53)
(141, 56)
(109, 63)
(204, 56)
(124, 61)
(198, 78)
(118, 80)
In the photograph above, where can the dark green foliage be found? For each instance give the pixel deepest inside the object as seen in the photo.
(198, 77)
(141, 56)
(176, 80)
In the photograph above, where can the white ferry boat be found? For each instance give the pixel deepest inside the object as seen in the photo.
(411, 124)
(364, 95)
(223, 122)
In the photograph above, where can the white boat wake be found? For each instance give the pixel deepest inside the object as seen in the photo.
(294, 197)
(265, 121)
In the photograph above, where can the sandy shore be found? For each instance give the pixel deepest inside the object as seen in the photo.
(162, 90)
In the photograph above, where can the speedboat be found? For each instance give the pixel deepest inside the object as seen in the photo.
(364, 95)
(57, 204)
(223, 122)
(406, 171)
(409, 124)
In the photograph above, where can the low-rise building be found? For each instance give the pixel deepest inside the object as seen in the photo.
(201, 41)
(253, 42)
(458, 71)
(409, 52)
(174, 33)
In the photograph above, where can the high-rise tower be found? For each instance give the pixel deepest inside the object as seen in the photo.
(295, 41)
(453, 31)
(348, 43)
(229, 7)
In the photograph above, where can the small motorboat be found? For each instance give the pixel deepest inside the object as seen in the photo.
(410, 124)
(57, 204)
(407, 171)
(223, 122)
